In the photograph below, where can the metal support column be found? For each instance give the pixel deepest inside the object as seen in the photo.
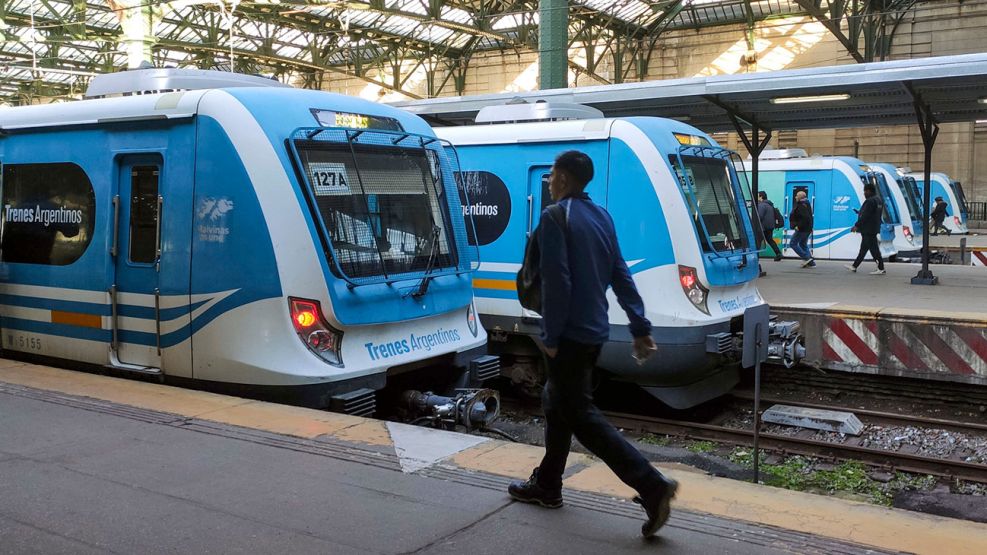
(755, 145)
(930, 130)
(553, 44)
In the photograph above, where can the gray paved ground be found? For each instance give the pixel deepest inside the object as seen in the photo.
(973, 239)
(961, 288)
(74, 480)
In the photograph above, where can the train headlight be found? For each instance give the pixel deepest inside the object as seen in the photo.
(323, 340)
(471, 320)
(907, 231)
(693, 289)
(956, 220)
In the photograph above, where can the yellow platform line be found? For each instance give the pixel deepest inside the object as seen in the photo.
(814, 514)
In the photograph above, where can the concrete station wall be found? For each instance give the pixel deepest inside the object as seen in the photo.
(938, 28)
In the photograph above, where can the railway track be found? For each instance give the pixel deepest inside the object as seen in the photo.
(846, 450)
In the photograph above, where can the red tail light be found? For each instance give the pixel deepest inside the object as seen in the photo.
(693, 289)
(320, 338)
(957, 220)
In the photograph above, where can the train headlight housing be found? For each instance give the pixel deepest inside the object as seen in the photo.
(471, 320)
(323, 340)
(693, 289)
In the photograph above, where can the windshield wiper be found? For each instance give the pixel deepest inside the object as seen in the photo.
(429, 264)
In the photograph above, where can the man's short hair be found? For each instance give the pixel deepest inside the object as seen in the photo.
(577, 165)
(938, 198)
(762, 195)
(800, 195)
(870, 187)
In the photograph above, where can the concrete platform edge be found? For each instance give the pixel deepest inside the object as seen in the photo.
(824, 516)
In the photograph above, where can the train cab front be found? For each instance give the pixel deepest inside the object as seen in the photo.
(398, 264)
(697, 304)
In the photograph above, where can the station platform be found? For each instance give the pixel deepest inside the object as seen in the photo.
(883, 324)
(975, 246)
(92, 464)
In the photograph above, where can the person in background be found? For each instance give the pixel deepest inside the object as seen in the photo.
(868, 226)
(801, 222)
(939, 217)
(580, 261)
(769, 217)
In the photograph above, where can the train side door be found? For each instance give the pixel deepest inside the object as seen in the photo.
(792, 188)
(136, 296)
(538, 199)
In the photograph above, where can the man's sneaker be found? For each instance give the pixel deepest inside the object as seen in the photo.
(850, 268)
(658, 507)
(878, 273)
(809, 263)
(530, 492)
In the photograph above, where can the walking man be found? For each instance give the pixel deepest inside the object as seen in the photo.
(939, 217)
(869, 225)
(580, 260)
(769, 218)
(801, 222)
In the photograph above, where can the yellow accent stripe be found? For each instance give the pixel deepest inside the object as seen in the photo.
(500, 284)
(76, 319)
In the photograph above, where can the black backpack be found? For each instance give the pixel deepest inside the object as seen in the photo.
(529, 277)
(779, 219)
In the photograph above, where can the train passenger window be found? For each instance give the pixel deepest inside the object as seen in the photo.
(144, 214)
(48, 213)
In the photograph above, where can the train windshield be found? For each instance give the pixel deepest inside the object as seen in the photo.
(890, 211)
(707, 183)
(910, 190)
(384, 207)
(960, 197)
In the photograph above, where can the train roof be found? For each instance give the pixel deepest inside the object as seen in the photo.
(185, 104)
(814, 162)
(548, 131)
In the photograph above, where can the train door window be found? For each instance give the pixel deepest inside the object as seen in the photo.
(795, 190)
(48, 213)
(144, 214)
(546, 194)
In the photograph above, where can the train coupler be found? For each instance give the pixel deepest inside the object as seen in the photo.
(472, 408)
(785, 343)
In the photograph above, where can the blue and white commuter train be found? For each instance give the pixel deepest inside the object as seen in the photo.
(908, 230)
(298, 243)
(835, 188)
(952, 192)
(675, 200)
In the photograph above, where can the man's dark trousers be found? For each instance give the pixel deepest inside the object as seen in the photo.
(767, 236)
(569, 410)
(869, 242)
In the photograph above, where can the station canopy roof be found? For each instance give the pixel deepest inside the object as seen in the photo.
(858, 95)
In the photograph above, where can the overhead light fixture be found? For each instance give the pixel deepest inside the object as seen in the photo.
(982, 100)
(815, 98)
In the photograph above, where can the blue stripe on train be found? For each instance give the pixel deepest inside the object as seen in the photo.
(64, 330)
(56, 304)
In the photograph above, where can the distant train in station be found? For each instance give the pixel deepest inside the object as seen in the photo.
(951, 191)
(234, 231)
(907, 204)
(677, 205)
(834, 185)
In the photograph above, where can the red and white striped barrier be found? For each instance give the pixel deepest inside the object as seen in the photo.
(978, 258)
(921, 346)
(916, 347)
